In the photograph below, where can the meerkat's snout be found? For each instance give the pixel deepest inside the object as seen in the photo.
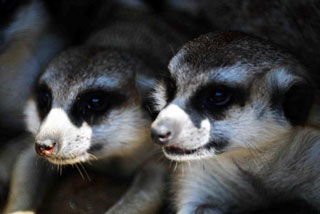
(175, 130)
(162, 134)
(165, 129)
(56, 133)
(48, 140)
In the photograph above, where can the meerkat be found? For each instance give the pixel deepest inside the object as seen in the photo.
(31, 34)
(241, 117)
(87, 106)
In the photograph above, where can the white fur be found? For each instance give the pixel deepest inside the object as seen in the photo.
(124, 132)
(177, 115)
(32, 117)
(58, 127)
(282, 77)
(236, 74)
(159, 96)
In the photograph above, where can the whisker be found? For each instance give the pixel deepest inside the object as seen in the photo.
(175, 167)
(170, 164)
(89, 162)
(93, 157)
(160, 158)
(60, 170)
(258, 154)
(189, 163)
(172, 49)
(85, 171)
(182, 170)
(79, 171)
(203, 164)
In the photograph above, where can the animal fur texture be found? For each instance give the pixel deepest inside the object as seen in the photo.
(241, 117)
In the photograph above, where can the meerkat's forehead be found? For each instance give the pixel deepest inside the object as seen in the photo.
(89, 68)
(227, 58)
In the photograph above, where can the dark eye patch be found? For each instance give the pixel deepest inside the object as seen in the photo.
(215, 99)
(218, 98)
(91, 105)
(44, 100)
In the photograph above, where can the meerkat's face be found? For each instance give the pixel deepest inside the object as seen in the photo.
(86, 106)
(228, 91)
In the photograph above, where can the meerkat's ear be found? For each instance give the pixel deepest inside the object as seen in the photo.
(293, 94)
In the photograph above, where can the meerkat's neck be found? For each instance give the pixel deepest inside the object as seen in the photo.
(126, 164)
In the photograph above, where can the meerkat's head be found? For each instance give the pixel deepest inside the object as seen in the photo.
(86, 104)
(229, 91)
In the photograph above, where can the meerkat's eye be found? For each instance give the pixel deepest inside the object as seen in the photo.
(44, 100)
(94, 102)
(90, 105)
(215, 99)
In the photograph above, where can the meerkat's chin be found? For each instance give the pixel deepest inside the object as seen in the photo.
(182, 154)
(69, 160)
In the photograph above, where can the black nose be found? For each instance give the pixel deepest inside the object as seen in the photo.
(161, 135)
(45, 150)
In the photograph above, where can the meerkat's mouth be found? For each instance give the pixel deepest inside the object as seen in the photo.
(179, 153)
(67, 160)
